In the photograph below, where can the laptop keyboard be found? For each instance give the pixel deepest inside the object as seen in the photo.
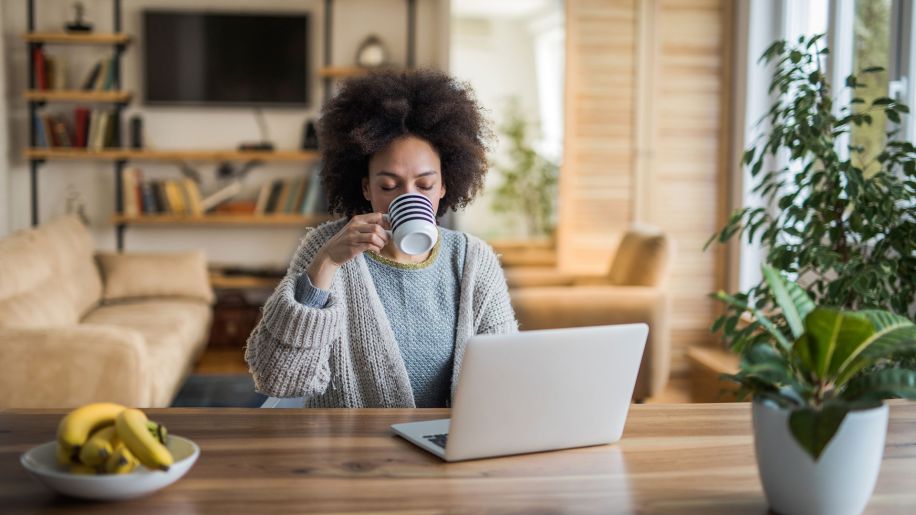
(439, 440)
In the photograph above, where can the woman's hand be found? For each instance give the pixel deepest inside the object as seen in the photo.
(362, 233)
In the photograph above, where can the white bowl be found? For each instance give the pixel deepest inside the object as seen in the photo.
(42, 464)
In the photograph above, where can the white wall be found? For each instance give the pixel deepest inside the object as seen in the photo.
(191, 128)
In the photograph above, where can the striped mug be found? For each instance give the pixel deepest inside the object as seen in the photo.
(413, 223)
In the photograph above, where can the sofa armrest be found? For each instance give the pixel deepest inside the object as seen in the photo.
(580, 306)
(133, 276)
(531, 276)
(65, 367)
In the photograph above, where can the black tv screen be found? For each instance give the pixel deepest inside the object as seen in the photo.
(225, 58)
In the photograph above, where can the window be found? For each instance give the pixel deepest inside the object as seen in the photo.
(861, 34)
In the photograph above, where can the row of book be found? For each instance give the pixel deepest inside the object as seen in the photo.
(94, 129)
(183, 196)
(300, 195)
(51, 73)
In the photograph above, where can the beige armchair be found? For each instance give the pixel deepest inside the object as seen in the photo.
(634, 290)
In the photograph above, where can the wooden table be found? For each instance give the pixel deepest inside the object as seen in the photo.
(688, 458)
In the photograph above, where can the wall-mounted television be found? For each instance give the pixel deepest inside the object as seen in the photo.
(223, 58)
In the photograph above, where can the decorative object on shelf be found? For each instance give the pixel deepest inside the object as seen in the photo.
(309, 135)
(136, 132)
(818, 381)
(76, 204)
(79, 23)
(372, 53)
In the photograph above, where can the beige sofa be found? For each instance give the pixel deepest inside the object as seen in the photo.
(634, 290)
(78, 327)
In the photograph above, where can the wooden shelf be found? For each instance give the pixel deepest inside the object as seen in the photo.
(76, 38)
(338, 72)
(341, 72)
(113, 154)
(64, 95)
(223, 219)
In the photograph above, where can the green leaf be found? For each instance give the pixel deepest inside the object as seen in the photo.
(882, 101)
(882, 384)
(759, 317)
(813, 429)
(830, 332)
(873, 69)
(894, 336)
(892, 116)
(794, 302)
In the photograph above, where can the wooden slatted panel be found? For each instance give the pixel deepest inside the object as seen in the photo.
(596, 180)
(689, 98)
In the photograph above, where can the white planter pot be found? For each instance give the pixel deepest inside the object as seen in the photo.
(839, 483)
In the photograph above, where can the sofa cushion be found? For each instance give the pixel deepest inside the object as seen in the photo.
(175, 332)
(641, 258)
(47, 275)
(136, 276)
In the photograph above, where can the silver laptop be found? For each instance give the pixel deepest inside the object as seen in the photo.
(537, 391)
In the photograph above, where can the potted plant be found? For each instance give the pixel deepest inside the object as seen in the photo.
(840, 217)
(817, 386)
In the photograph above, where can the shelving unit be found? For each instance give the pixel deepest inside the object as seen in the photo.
(120, 156)
(114, 154)
(222, 219)
(38, 98)
(98, 97)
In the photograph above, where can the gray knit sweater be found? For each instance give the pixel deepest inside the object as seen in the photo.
(345, 354)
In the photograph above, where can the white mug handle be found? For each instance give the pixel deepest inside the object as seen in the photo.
(388, 219)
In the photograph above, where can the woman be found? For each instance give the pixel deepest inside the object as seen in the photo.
(355, 322)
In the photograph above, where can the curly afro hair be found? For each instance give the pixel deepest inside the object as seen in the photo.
(373, 110)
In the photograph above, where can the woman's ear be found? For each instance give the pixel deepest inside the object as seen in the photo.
(365, 183)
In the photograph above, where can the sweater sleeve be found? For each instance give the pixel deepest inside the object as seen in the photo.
(494, 315)
(288, 351)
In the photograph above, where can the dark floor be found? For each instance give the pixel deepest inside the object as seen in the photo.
(218, 391)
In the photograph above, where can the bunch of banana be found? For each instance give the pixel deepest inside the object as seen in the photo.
(107, 438)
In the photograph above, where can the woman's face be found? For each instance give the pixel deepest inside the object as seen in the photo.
(408, 165)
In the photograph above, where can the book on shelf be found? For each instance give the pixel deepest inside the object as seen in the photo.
(175, 198)
(55, 72)
(162, 201)
(81, 121)
(131, 198)
(147, 194)
(92, 76)
(311, 203)
(61, 135)
(38, 65)
(275, 188)
(103, 75)
(221, 195)
(260, 205)
(192, 192)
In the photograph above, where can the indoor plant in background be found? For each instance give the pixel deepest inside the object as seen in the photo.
(817, 385)
(529, 183)
(843, 227)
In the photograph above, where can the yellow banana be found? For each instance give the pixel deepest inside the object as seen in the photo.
(99, 446)
(133, 431)
(158, 431)
(65, 455)
(74, 429)
(121, 460)
(79, 468)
